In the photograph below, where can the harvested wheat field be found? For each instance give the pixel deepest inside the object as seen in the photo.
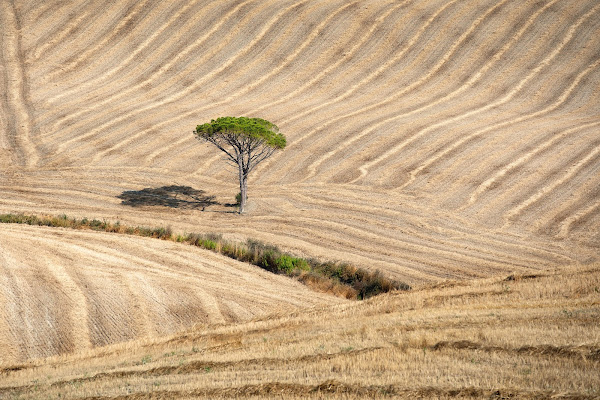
(63, 291)
(514, 337)
(431, 140)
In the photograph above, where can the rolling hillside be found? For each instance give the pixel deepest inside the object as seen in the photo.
(67, 291)
(513, 337)
(431, 140)
(428, 139)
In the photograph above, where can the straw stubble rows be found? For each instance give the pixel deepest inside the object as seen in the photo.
(495, 338)
(430, 140)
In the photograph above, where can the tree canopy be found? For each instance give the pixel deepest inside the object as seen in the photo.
(245, 141)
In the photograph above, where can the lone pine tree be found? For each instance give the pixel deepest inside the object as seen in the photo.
(245, 141)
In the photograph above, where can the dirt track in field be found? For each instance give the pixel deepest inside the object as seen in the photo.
(431, 140)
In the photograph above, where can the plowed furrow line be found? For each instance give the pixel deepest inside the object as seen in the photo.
(438, 100)
(142, 315)
(132, 15)
(591, 353)
(35, 12)
(245, 88)
(81, 16)
(413, 42)
(288, 61)
(20, 124)
(493, 180)
(123, 68)
(188, 52)
(513, 213)
(503, 100)
(567, 225)
(465, 140)
(76, 307)
(348, 55)
(164, 101)
(204, 365)
(433, 258)
(205, 77)
(130, 75)
(9, 293)
(439, 224)
(571, 198)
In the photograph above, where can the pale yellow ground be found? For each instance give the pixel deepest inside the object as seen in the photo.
(438, 139)
(525, 337)
(63, 290)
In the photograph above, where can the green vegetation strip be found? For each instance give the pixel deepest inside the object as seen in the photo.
(340, 279)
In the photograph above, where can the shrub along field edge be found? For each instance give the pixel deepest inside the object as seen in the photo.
(340, 279)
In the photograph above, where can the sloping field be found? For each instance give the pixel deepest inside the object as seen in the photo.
(515, 337)
(63, 291)
(430, 139)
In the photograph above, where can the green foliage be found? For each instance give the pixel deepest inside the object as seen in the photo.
(253, 128)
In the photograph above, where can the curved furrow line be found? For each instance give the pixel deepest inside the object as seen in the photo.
(424, 229)
(8, 312)
(468, 114)
(42, 192)
(35, 11)
(356, 87)
(246, 88)
(572, 94)
(492, 181)
(7, 143)
(34, 339)
(567, 225)
(348, 54)
(421, 217)
(82, 16)
(512, 214)
(132, 16)
(162, 102)
(164, 67)
(174, 286)
(526, 181)
(411, 268)
(123, 68)
(166, 263)
(142, 57)
(21, 126)
(312, 168)
(184, 94)
(76, 309)
(562, 99)
(578, 199)
(383, 67)
(429, 252)
(193, 112)
(72, 200)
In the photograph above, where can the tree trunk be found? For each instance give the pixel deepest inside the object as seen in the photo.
(243, 190)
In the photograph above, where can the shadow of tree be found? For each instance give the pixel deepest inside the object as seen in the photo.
(168, 196)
